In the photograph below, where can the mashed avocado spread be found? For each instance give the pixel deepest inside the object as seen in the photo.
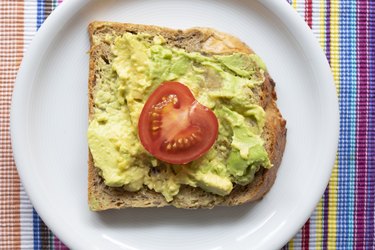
(135, 67)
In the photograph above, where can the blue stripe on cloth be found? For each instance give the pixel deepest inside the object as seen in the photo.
(347, 141)
(40, 14)
(36, 234)
(352, 123)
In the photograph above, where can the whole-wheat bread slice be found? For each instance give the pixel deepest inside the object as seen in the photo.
(209, 42)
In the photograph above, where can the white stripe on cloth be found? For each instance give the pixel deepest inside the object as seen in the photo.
(313, 222)
(319, 35)
(297, 240)
(26, 220)
(301, 8)
(26, 208)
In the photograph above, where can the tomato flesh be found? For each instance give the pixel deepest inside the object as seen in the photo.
(174, 127)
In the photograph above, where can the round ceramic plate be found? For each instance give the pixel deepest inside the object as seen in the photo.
(49, 122)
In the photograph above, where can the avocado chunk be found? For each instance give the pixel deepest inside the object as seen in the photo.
(241, 169)
(214, 183)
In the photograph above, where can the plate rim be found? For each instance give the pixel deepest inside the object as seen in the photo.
(68, 9)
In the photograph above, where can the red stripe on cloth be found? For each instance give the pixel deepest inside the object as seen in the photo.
(11, 52)
(306, 235)
(362, 123)
(308, 12)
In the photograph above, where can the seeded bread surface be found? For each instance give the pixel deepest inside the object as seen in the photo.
(209, 42)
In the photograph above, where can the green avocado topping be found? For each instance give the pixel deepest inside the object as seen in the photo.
(223, 83)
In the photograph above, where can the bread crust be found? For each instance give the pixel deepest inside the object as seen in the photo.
(207, 41)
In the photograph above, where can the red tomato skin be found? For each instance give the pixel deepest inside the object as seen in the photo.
(198, 115)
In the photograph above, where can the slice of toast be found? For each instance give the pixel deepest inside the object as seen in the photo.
(209, 42)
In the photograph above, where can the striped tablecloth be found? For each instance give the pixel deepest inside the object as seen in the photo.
(344, 218)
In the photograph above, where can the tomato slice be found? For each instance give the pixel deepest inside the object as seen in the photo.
(174, 127)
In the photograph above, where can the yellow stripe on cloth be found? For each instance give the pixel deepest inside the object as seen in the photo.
(335, 66)
(319, 209)
(294, 4)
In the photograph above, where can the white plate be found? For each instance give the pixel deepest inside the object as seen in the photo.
(49, 122)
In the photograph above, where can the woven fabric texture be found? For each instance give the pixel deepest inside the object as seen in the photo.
(344, 217)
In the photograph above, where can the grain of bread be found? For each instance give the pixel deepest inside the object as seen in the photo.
(209, 42)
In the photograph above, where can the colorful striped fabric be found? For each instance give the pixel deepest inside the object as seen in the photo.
(344, 218)
(20, 225)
